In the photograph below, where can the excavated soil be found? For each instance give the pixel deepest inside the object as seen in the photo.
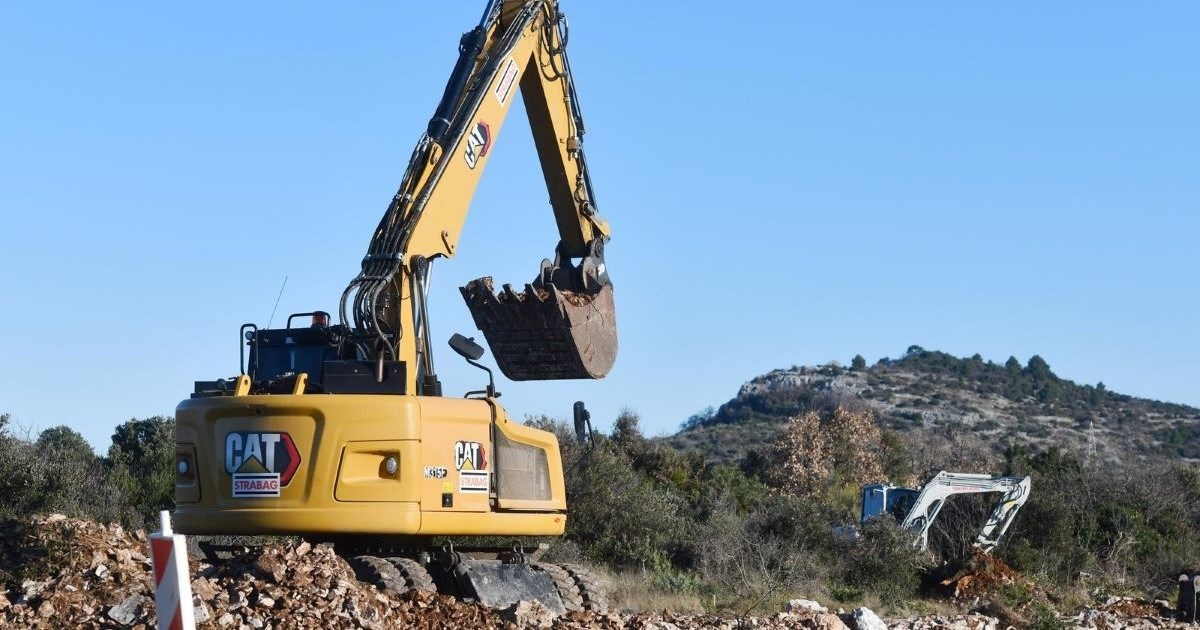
(57, 572)
(982, 576)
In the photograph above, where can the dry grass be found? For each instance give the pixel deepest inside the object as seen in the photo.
(635, 591)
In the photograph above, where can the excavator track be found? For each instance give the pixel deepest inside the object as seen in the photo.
(568, 590)
(416, 578)
(398, 575)
(491, 582)
(577, 587)
(591, 590)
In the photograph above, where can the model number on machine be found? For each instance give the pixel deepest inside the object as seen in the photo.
(436, 472)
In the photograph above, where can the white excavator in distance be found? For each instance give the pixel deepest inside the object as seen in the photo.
(917, 508)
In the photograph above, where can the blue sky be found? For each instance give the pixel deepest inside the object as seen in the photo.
(788, 183)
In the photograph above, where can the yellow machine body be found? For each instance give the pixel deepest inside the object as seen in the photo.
(343, 429)
(321, 464)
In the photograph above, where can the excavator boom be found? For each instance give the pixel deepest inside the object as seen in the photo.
(917, 508)
(563, 323)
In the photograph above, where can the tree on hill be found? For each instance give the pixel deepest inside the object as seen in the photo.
(858, 363)
(1038, 369)
(699, 418)
(1012, 365)
(1041, 380)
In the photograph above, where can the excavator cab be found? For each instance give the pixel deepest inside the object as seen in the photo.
(276, 354)
(299, 358)
(879, 499)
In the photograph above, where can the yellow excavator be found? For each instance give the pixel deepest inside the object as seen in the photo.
(340, 431)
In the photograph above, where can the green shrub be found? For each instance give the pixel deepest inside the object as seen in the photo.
(1135, 524)
(619, 516)
(754, 561)
(142, 465)
(882, 562)
(59, 472)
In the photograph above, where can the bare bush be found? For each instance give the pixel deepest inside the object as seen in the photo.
(812, 448)
(962, 517)
(856, 444)
(801, 455)
(931, 451)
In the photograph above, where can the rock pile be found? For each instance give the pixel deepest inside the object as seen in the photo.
(61, 572)
(942, 622)
(57, 572)
(1126, 612)
(302, 586)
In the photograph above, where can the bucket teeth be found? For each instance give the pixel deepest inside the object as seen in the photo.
(545, 333)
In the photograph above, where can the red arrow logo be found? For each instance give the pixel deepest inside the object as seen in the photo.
(285, 477)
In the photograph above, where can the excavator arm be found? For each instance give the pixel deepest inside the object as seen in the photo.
(562, 325)
(933, 495)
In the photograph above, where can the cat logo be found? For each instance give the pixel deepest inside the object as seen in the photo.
(470, 456)
(260, 463)
(478, 143)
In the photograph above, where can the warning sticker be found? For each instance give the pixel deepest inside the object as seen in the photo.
(472, 481)
(255, 484)
(508, 78)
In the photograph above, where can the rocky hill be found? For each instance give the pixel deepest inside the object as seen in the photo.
(934, 391)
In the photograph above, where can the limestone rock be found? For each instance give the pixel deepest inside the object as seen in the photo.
(126, 612)
(804, 605)
(866, 619)
(528, 615)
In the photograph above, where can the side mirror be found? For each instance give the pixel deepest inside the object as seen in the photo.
(583, 422)
(466, 347)
(471, 351)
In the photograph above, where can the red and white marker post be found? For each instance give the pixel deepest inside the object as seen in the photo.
(172, 584)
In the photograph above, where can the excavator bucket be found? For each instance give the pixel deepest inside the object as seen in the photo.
(545, 333)
(498, 585)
